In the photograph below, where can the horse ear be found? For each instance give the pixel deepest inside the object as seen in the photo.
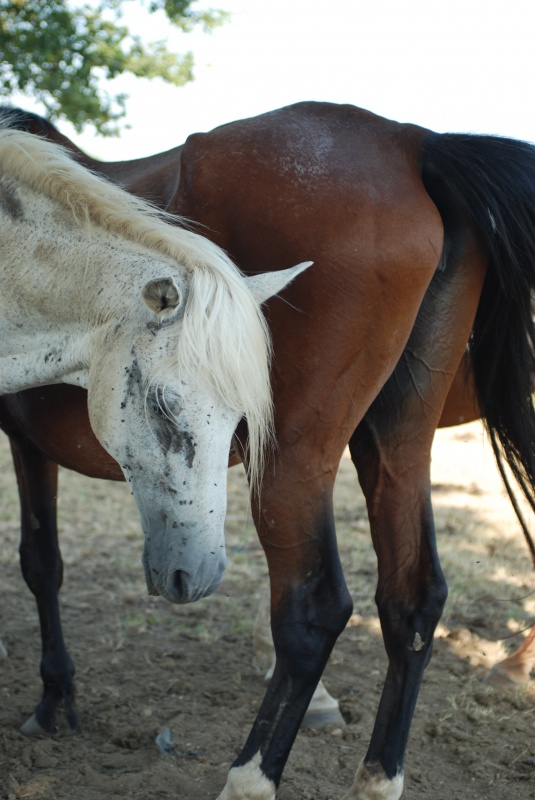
(162, 296)
(268, 284)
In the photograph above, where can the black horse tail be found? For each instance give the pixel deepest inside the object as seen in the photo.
(493, 181)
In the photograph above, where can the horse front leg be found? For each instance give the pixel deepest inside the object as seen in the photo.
(310, 606)
(42, 569)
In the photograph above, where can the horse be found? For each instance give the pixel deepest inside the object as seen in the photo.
(422, 244)
(72, 444)
(168, 341)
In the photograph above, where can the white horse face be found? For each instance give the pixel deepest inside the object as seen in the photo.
(172, 443)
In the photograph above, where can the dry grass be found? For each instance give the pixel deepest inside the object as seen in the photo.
(142, 663)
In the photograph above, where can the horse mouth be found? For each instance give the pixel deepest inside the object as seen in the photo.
(180, 586)
(151, 586)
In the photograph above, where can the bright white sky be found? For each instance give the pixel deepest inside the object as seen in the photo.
(463, 65)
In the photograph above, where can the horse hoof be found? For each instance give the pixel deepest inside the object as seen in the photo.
(32, 728)
(320, 717)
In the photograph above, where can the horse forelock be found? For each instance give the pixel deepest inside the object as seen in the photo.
(224, 337)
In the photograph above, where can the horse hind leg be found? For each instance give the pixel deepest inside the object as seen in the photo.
(515, 670)
(323, 709)
(410, 595)
(391, 449)
(42, 569)
(310, 606)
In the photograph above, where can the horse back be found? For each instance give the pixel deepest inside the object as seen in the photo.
(308, 159)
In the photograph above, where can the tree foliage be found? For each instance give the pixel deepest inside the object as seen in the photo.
(61, 53)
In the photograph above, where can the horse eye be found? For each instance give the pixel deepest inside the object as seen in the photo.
(164, 403)
(154, 405)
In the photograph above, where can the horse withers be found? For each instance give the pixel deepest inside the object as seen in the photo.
(168, 339)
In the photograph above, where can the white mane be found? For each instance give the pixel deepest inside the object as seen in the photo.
(224, 336)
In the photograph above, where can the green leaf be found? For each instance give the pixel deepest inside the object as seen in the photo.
(61, 55)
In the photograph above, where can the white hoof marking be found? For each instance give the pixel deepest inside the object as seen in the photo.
(248, 783)
(371, 783)
(32, 728)
(323, 709)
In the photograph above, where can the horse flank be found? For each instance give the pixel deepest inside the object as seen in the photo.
(224, 336)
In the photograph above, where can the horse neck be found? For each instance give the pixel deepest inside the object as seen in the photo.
(63, 285)
(154, 178)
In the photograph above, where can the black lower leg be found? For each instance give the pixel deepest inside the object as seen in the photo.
(42, 569)
(307, 618)
(408, 635)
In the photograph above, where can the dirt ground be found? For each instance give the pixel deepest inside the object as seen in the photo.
(144, 666)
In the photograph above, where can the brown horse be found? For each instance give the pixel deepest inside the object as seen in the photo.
(422, 243)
